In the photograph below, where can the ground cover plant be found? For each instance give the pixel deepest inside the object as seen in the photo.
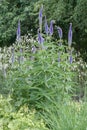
(43, 74)
(21, 120)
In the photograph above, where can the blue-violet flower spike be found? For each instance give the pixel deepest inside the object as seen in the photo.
(46, 27)
(70, 35)
(13, 59)
(40, 18)
(71, 59)
(18, 31)
(51, 28)
(40, 12)
(40, 38)
(60, 32)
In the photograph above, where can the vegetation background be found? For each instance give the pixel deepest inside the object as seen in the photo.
(43, 77)
(62, 11)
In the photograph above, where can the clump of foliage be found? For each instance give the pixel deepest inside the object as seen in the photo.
(44, 74)
(81, 88)
(21, 120)
(40, 73)
(67, 116)
(36, 67)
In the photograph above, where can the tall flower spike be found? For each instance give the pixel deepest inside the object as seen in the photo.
(18, 31)
(51, 28)
(46, 27)
(70, 57)
(40, 38)
(70, 35)
(33, 50)
(60, 32)
(13, 59)
(40, 18)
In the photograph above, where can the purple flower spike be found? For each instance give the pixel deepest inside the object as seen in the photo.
(40, 38)
(40, 12)
(51, 28)
(60, 32)
(46, 27)
(18, 31)
(70, 35)
(13, 59)
(70, 59)
(40, 17)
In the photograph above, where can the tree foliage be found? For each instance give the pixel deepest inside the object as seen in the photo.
(11, 12)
